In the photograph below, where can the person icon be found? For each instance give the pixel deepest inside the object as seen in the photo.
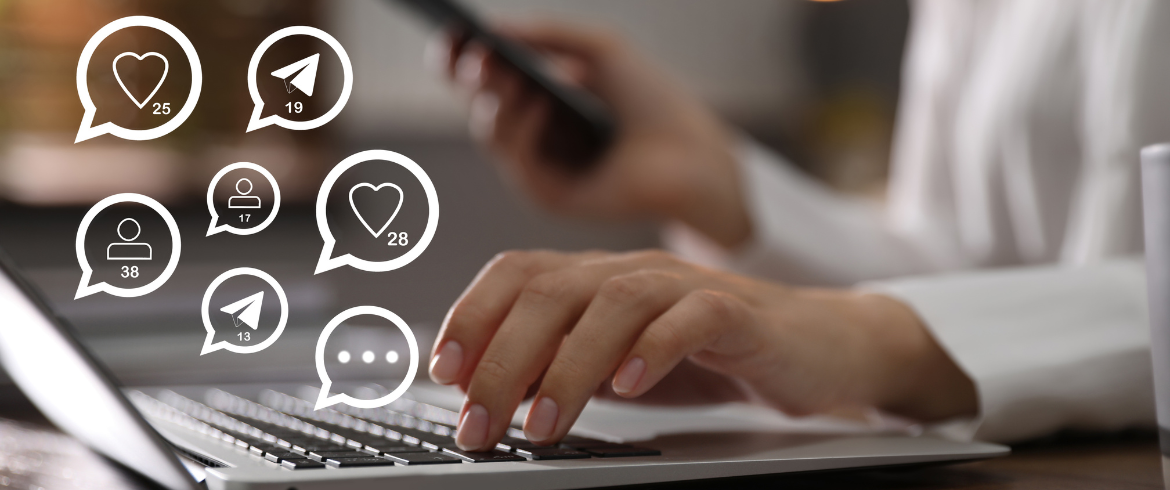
(129, 250)
(243, 201)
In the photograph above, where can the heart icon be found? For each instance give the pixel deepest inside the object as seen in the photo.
(375, 189)
(166, 67)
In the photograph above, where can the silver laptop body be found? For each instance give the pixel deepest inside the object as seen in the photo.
(246, 437)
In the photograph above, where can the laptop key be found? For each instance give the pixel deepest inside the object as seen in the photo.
(581, 442)
(317, 447)
(324, 455)
(301, 464)
(619, 451)
(425, 438)
(278, 457)
(511, 444)
(380, 449)
(482, 457)
(358, 461)
(548, 453)
(422, 458)
(265, 447)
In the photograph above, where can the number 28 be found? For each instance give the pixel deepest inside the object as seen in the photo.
(397, 239)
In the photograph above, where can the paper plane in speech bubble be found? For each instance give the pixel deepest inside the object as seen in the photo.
(251, 310)
(305, 80)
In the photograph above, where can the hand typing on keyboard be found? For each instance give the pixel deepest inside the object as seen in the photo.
(580, 319)
(288, 431)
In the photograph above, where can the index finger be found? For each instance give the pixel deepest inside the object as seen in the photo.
(474, 318)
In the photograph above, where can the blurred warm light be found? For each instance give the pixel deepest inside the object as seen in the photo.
(40, 169)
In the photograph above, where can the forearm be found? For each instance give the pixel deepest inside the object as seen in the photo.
(801, 232)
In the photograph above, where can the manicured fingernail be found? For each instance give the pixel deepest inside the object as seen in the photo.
(468, 68)
(542, 420)
(446, 364)
(436, 54)
(473, 428)
(629, 375)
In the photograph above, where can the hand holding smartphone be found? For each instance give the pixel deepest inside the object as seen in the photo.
(580, 126)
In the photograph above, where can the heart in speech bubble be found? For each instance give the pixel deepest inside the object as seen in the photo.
(372, 213)
(117, 76)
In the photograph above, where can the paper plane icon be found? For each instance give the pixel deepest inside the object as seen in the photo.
(305, 79)
(251, 310)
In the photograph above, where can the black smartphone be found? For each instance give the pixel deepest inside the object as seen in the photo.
(580, 128)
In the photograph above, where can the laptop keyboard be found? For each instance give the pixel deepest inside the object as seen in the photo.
(285, 430)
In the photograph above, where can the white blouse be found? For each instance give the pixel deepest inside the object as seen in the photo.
(1012, 223)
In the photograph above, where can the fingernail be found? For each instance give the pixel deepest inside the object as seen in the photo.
(482, 119)
(629, 375)
(436, 54)
(445, 366)
(542, 420)
(468, 68)
(473, 428)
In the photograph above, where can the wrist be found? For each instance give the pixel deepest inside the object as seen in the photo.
(715, 205)
(921, 381)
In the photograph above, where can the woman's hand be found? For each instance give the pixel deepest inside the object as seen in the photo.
(569, 322)
(672, 158)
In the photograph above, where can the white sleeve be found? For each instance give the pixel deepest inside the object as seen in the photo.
(1048, 347)
(803, 232)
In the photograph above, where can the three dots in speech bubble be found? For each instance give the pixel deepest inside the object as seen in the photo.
(326, 262)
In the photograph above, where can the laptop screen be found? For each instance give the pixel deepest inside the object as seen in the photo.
(71, 388)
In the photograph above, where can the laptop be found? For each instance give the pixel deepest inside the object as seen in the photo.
(269, 437)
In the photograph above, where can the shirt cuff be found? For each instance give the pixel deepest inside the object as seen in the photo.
(1047, 347)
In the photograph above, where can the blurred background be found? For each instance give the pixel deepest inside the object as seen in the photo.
(817, 81)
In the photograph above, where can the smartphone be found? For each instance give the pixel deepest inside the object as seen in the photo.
(580, 129)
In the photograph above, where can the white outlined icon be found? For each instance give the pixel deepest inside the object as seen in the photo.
(140, 57)
(129, 249)
(246, 311)
(324, 399)
(249, 316)
(86, 289)
(327, 261)
(242, 200)
(87, 130)
(306, 75)
(301, 81)
(374, 188)
(215, 226)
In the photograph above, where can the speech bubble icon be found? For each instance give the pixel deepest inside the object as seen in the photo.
(324, 400)
(86, 131)
(213, 229)
(85, 288)
(327, 261)
(257, 122)
(209, 346)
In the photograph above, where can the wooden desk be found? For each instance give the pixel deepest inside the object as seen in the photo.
(1070, 462)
